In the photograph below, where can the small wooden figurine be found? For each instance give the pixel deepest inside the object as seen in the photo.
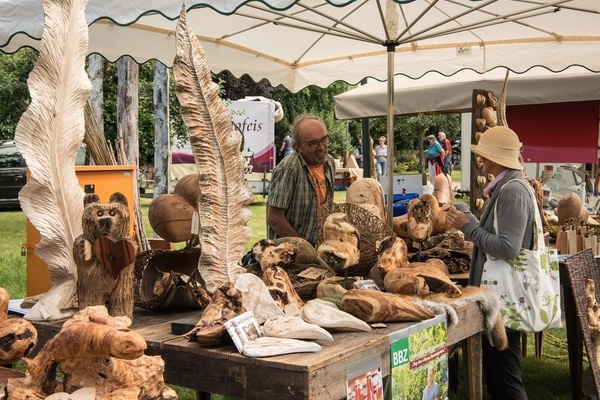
(105, 256)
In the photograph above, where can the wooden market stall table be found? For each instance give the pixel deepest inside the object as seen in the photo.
(320, 375)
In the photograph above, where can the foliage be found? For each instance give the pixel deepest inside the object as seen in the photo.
(13, 271)
(317, 101)
(345, 135)
(14, 93)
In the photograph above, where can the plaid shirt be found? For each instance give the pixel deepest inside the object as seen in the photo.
(291, 188)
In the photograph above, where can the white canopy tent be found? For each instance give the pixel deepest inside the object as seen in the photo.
(435, 93)
(297, 43)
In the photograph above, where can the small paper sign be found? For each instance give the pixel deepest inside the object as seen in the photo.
(195, 223)
(312, 273)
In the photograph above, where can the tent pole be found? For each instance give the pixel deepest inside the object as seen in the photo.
(391, 50)
(366, 144)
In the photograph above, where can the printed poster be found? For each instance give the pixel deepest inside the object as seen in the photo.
(364, 379)
(255, 121)
(419, 361)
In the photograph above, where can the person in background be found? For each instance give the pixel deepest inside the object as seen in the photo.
(430, 392)
(447, 146)
(499, 151)
(435, 158)
(381, 156)
(286, 146)
(301, 183)
(358, 154)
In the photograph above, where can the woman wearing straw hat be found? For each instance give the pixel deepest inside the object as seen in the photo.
(499, 149)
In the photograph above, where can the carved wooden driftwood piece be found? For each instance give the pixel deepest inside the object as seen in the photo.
(49, 134)
(94, 350)
(421, 279)
(374, 306)
(392, 254)
(223, 193)
(282, 290)
(367, 193)
(340, 246)
(288, 253)
(225, 305)
(17, 336)
(423, 219)
(105, 255)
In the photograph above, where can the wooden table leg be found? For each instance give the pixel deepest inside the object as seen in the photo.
(473, 372)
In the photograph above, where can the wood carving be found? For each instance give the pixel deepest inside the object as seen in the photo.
(367, 193)
(455, 251)
(421, 279)
(289, 253)
(593, 315)
(171, 214)
(423, 219)
(374, 306)
(340, 246)
(17, 336)
(210, 329)
(393, 254)
(223, 193)
(95, 350)
(327, 315)
(49, 135)
(105, 255)
(295, 328)
(282, 290)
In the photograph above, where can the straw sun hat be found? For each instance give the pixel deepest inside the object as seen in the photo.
(501, 146)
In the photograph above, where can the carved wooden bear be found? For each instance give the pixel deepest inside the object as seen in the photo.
(105, 255)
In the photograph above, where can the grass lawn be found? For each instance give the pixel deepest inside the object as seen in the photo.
(545, 378)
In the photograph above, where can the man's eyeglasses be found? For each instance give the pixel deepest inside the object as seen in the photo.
(313, 144)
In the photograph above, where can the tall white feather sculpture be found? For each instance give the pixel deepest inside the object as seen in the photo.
(224, 195)
(49, 134)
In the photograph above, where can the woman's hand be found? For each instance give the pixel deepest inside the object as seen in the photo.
(456, 218)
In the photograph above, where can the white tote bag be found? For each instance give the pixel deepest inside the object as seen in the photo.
(528, 285)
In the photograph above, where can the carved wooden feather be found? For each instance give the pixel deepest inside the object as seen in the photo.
(224, 196)
(49, 135)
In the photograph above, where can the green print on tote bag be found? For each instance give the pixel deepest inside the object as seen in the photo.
(528, 285)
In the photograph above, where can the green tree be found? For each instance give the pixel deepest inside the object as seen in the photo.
(317, 101)
(14, 93)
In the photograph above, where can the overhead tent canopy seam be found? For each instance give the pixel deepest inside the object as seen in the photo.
(435, 93)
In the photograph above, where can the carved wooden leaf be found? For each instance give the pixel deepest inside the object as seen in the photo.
(49, 135)
(224, 196)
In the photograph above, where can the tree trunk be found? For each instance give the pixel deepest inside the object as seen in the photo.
(127, 107)
(161, 129)
(96, 73)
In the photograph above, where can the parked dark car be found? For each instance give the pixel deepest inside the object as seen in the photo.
(13, 173)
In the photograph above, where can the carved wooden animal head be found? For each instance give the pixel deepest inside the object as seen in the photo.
(106, 219)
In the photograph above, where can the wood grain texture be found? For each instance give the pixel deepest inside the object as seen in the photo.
(224, 196)
(320, 375)
(115, 254)
(49, 134)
